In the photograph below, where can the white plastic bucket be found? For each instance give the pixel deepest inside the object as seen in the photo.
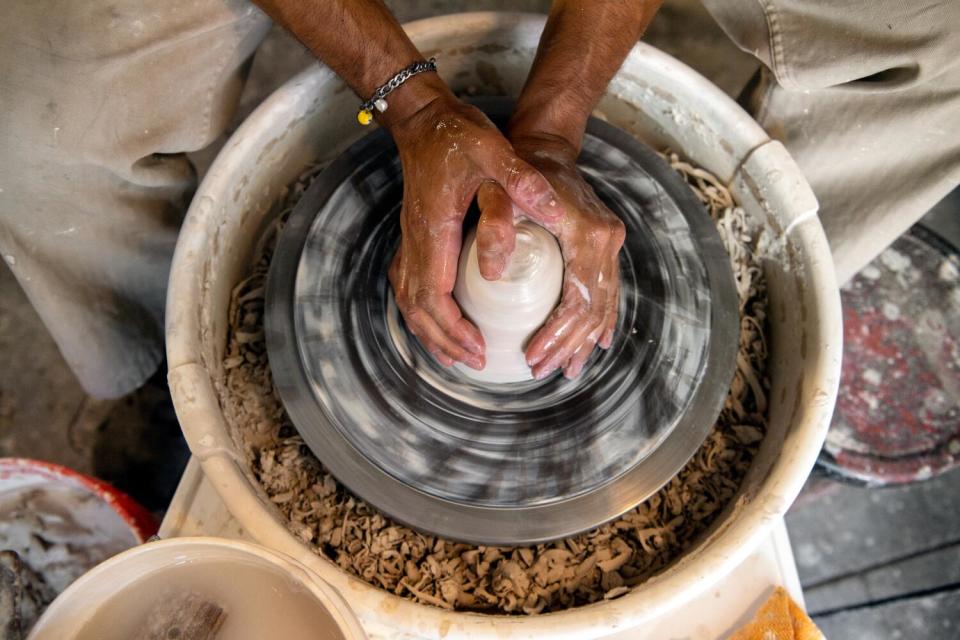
(269, 590)
(660, 101)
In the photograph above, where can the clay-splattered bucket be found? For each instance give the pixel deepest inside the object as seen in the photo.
(260, 592)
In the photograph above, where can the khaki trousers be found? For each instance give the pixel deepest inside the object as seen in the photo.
(102, 99)
(865, 94)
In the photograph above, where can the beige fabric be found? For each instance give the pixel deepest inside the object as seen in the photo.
(865, 95)
(99, 102)
(100, 99)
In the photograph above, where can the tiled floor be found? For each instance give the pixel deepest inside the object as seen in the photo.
(880, 563)
(875, 563)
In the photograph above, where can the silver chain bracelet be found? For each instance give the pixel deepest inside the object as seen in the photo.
(377, 100)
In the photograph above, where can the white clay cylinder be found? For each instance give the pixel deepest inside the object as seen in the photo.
(510, 310)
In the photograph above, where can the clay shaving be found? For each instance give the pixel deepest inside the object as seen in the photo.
(601, 564)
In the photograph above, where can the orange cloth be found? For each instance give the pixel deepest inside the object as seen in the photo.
(780, 618)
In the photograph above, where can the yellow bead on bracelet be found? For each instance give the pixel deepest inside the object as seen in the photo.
(378, 100)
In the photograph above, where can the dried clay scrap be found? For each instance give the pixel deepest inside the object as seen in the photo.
(603, 563)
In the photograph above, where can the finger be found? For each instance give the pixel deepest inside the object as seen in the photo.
(437, 341)
(574, 366)
(395, 275)
(606, 340)
(552, 334)
(613, 304)
(582, 334)
(527, 188)
(441, 357)
(574, 308)
(576, 320)
(439, 252)
(414, 327)
(447, 316)
(434, 349)
(496, 234)
(543, 351)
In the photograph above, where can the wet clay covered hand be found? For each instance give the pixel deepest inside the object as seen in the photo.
(448, 150)
(590, 238)
(582, 46)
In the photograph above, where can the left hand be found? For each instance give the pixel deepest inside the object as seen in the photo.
(590, 238)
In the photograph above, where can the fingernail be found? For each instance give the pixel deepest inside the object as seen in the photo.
(475, 347)
(475, 363)
(543, 373)
(492, 268)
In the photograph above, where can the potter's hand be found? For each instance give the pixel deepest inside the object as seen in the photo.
(569, 74)
(448, 150)
(590, 238)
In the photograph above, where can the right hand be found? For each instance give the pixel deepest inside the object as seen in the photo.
(448, 150)
(590, 237)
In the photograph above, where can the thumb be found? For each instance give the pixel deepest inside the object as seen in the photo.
(526, 186)
(496, 235)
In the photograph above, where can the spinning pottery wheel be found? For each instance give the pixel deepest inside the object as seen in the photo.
(500, 463)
